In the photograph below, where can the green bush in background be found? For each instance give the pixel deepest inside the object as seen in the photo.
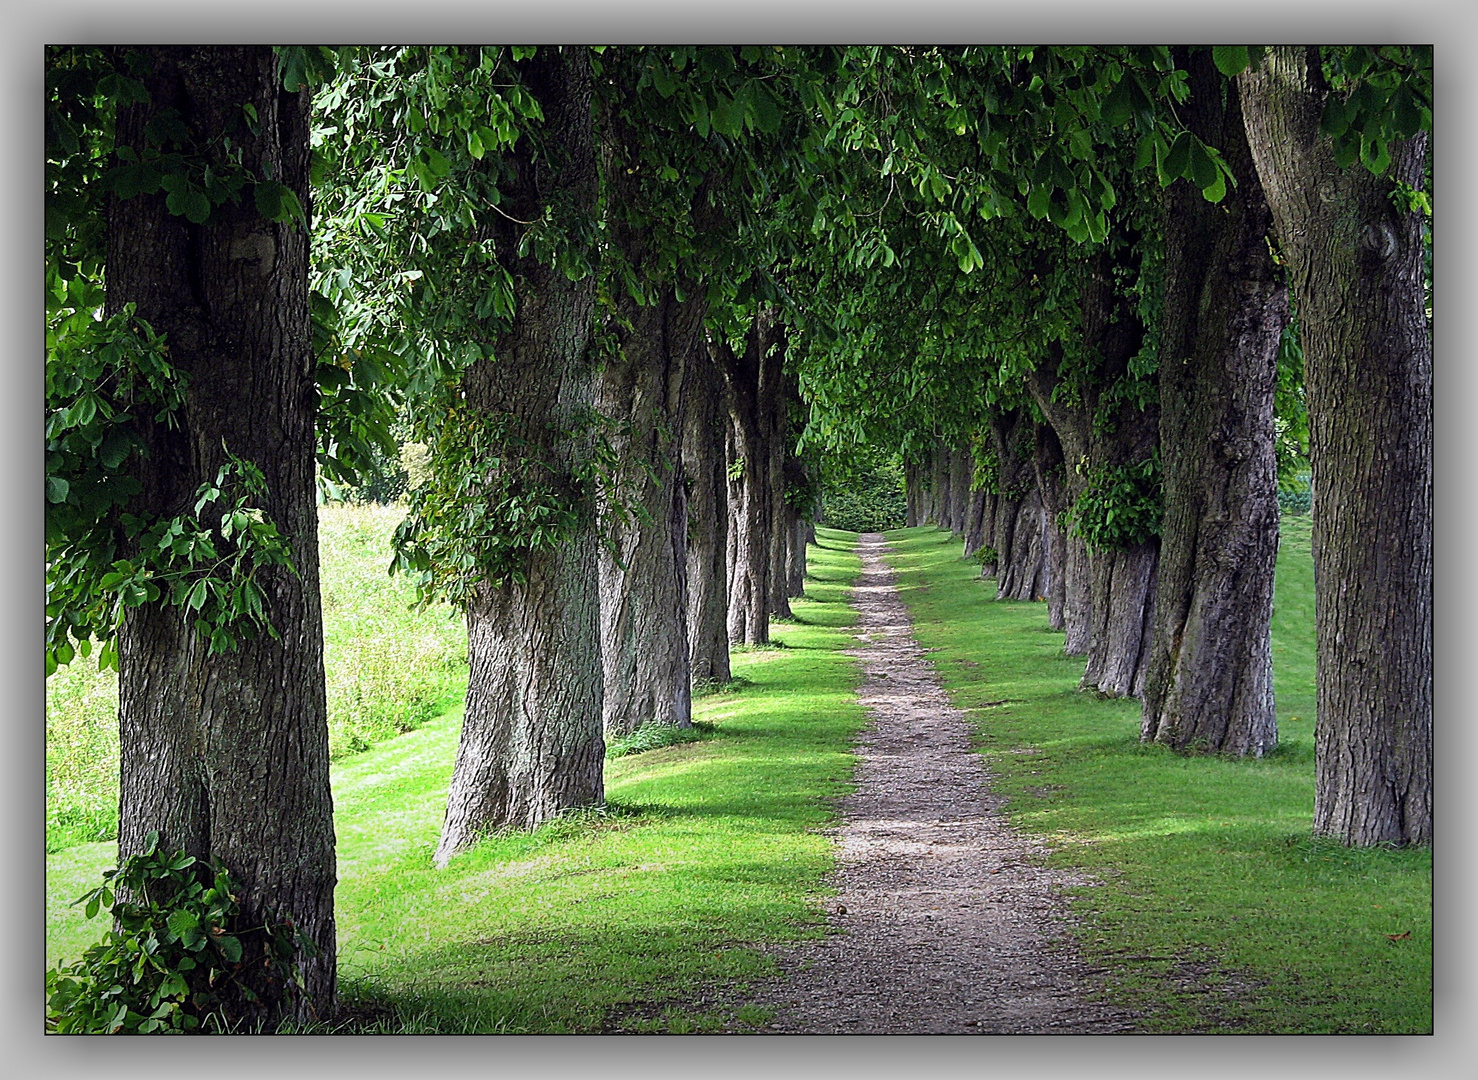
(863, 496)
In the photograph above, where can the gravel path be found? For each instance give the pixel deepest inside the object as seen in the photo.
(945, 920)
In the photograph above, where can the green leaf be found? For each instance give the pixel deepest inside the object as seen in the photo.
(1202, 169)
(1230, 60)
(190, 203)
(276, 201)
(56, 489)
(1177, 161)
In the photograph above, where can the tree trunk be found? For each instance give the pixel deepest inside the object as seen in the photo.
(939, 486)
(751, 383)
(1209, 685)
(1355, 265)
(1072, 426)
(913, 494)
(531, 742)
(1047, 466)
(961, 471)
(1018, 517)
(798, 528)
(226, 755)
(643, 582)
(705, 428)
(782, 514)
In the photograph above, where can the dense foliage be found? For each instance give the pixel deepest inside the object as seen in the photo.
(866, 497)
(177, 959)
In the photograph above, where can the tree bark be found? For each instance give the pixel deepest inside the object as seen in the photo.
(1121, 580)
(1209, 684)
(644, 581)
(961, 471)
(226, 755)
(798, 528)
(1071, 425)
(1047, 466)
(1355, 266)
(531, 742)
(752, 380)
(913, 495)
(1018, 517)
(705, 428)
(782, 515)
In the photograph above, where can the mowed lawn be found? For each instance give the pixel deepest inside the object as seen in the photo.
(1217, 910)
(646, 915)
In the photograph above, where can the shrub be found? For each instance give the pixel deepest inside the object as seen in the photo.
(869, 499)
(176, 960)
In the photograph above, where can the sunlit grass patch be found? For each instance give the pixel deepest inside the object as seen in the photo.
(647, 914)
(1217, 910)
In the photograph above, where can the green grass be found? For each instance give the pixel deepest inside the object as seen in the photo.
(1217, 910)
(389, 670)
(633, 918)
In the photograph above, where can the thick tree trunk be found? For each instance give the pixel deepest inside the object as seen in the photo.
(752, 381)
(1047, 466)
(1072, 426)
(939, 511)
(1018, 518)
(1355, 265)
(798, 529)
(913, 494)
(643, 582)
(1209, 685)
(531, 741)
(705, 428)
(226, 755)
(782, 514)
(977, 519)
(961, 471)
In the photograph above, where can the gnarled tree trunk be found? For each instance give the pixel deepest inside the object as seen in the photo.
(1209, 685)
(1018, 538)
(1047, 465)
(752, 382)
(531, 742)
(643, 582)
(1355, 265)
(226, 755)
(705, 428)
(782, 514)
(1071, 425)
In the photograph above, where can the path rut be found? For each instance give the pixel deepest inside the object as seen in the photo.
(945, 919)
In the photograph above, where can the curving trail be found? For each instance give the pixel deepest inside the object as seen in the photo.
(945, 920)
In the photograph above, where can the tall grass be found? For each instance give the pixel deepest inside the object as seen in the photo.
(389, 670)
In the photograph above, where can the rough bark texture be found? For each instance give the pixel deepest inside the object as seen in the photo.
(961, 471)
(913, 490)
(531, 741)
(1209, 684)
(1018, 539)
(752, 382)
(782, 514)
(939, 509)
(1048, 468)
(797, 530)
(227, 755)
(1071, 425)
(1355, 265)
(643, 582)
(705, 427)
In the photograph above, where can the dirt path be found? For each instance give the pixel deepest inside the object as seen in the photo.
(947, 921)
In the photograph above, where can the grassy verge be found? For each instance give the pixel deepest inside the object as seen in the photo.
(629, 919)
(1217, 910)
(390, 669)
